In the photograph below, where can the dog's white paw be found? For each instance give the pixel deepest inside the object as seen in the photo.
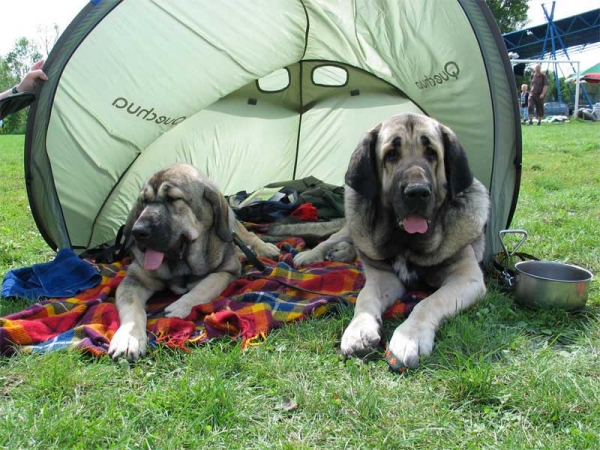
(342, 252)
(180, 308)
(411, 340)
(361, 336)
(128, 343)
(303, 259)
(267, 250)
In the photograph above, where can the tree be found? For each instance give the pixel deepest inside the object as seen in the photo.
(510, 15)
(6, 78)
(12, 69)
(47, 37)
(24, 54)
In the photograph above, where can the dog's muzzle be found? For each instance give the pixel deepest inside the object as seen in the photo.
(413, 207)
(416, 196)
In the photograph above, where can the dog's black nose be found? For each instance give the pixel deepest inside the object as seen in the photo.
(416, 192)
(416, 196)
(141, 233)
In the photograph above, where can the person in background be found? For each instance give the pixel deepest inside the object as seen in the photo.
(539, 86)
(29, 80)
(524, 104)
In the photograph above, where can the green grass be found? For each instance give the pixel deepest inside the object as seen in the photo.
(500, 377)
(559, 204)
(20, 242)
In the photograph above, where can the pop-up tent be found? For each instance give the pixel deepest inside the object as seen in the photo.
(253, 92)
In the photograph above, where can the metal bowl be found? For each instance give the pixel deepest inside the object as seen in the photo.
(549, 284)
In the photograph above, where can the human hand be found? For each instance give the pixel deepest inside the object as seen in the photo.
(29, 80)
(38, 65)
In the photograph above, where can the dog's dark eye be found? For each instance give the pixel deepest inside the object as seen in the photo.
(391, 156)
(431, 154)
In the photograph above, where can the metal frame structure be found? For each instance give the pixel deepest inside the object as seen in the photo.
(552, 33)
(575, 32)
(578, 32)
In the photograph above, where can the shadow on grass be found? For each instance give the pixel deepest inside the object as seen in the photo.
(497, 326)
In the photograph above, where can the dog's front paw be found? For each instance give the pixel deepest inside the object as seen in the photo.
(180, 308)
(342, 252)
(361, 336)
(410, 341)
(129, 343)
(267, 250)
(303, 259)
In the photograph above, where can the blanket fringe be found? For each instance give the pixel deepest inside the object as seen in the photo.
(174, 341)
(254, 341)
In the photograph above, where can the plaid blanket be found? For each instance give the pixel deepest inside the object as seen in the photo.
(248, 309)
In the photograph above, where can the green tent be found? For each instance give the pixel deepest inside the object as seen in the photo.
(253, 92)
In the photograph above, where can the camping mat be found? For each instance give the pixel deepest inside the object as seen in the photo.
(248, 309)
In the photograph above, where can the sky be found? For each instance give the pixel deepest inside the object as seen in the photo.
(17, 23)
(45, 13)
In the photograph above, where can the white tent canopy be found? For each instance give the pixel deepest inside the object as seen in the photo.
(253, 92)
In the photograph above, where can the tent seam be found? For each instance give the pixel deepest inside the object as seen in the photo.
(307, 29)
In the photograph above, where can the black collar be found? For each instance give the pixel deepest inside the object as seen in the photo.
(249, 253)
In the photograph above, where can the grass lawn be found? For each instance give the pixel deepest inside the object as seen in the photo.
(500, 377)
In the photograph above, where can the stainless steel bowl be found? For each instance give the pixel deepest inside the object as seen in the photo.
(550, 284)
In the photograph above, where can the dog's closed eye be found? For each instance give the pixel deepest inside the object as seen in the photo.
(172, 199)
(171, 194)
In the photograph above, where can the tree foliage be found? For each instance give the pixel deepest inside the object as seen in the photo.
(24, 54)
(510, 15)
(13, 68)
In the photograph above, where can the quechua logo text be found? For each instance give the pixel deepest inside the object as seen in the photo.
(450, 72)
(143, 113)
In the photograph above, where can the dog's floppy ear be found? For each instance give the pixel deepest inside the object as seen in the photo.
(135, 212)
(458, 173)
(362, 170)
(220, 212)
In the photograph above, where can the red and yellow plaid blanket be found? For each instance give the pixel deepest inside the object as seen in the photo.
(248, 309)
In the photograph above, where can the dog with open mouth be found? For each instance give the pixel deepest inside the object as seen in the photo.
(416, 217)
(181, 232)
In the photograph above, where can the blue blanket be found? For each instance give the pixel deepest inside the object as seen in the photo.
(65, 276)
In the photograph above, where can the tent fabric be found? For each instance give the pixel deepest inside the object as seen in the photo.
(594, 69)
(593, 78)
(591, 74)
(253, 93)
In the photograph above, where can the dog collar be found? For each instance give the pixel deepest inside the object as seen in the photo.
(248, 252)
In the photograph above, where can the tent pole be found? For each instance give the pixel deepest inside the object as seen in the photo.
(577, 81)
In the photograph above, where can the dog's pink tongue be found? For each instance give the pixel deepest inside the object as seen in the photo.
(415, 224)
(153, 259)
